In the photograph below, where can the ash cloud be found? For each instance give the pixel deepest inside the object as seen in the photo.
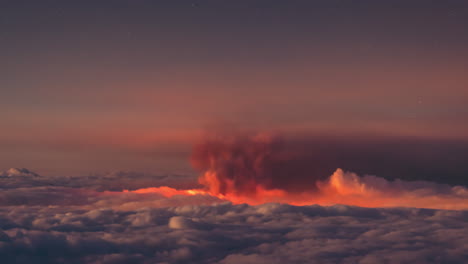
(239, 163)
(90, 220)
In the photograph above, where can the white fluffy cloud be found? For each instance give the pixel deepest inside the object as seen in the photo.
(18, 172)
(226, 233)
(66, 224)
(371, 191)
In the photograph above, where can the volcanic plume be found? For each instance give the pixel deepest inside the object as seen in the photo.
(243, 164)
(263, 168)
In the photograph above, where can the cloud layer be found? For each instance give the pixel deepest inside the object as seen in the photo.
(74, 223)
(226, 233)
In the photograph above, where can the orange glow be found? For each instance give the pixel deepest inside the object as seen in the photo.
(340, 188)
(261, 196)
(168, 191)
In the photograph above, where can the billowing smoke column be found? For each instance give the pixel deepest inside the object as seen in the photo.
(261, 168)
(245, 164)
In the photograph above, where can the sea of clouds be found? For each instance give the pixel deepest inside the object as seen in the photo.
(80, 220)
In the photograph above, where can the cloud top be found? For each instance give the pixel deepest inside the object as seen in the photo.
(227, 233)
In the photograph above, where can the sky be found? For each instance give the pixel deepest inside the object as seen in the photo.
(94, 86)
(221, 132)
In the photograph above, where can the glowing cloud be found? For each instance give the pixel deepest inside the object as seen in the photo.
(260, 169)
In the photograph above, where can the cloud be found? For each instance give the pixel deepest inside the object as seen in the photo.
(261, 168)
(242, 164)
(113, 181)
(73, 223)
(340, 188)
(180, 222)
(226, 233)
(371, 191)
(303, 159)
(18, 172)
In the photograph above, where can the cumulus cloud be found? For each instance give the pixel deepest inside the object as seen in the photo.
(80, 220)
(180, 222)
(371, 191)
(227, 233)
(18, 172)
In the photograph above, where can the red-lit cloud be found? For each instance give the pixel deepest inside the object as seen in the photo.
(261, 168)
